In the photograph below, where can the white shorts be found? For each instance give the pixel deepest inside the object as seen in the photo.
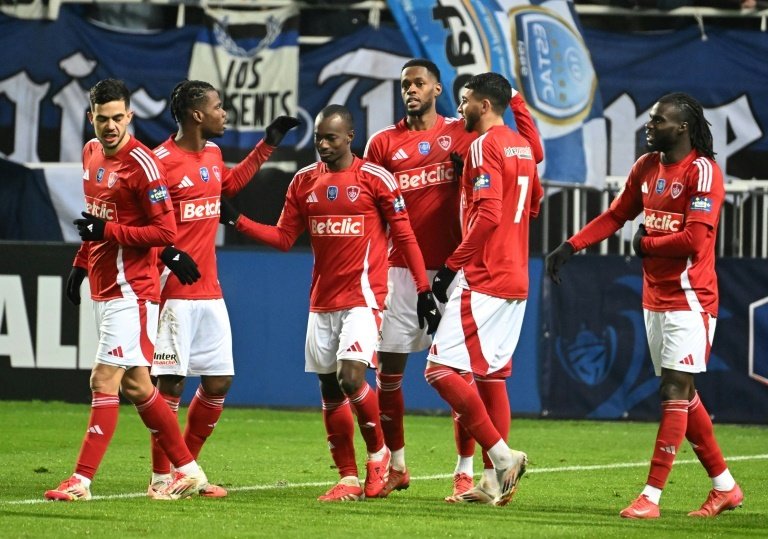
(126, 328)
(478, 333)
(679, 340)
(194, 339)
(350, 334)
(400, 331)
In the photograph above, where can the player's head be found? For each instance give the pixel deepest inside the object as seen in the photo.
(110, 113)
(334, 131)
(420, 85)
(486, 94)
(677, 120)
(196, 103)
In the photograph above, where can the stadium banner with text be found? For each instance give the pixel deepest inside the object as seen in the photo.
(537, 45)
(594, 355)
(252, 57)
(724, 69)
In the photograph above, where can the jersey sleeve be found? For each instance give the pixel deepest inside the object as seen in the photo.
(704, 180)
(526, 126)
(237, 177)
(374, 149)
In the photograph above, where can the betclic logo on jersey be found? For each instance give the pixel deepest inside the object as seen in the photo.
(337, 225)
(418, 178)
(200, 208)
(101, 209)
(662, 221)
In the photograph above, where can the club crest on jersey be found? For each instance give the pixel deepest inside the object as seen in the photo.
(111, 179)
(217, 172)
(424, 147)
(158, 194)
(676, 189)
(332, 192)
(700, 203)
(444, 141)
(661, 183)
(353, 191)
(204, 174)
(399, 204)
(99, 175)
(483, 181)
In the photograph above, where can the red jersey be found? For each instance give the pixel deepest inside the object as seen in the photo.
(196, 181)
(346, 214)
(421, 164)
(672, 197)
(128, 190)
(498, 184)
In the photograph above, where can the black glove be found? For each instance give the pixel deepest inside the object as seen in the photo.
(427, 311)
(441, 282)
(639, 235)
(556, 259)
(278, 128)
(228, 214)
(181, 264)
(74, 281)
(458, 164)
(91, 228)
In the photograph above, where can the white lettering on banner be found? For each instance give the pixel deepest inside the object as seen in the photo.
(417, 178)
(735, 117)
(101, 209)
(337, 225)
(662, 221)
(16, 343)
(200, 208)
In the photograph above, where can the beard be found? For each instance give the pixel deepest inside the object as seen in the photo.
(419, 111)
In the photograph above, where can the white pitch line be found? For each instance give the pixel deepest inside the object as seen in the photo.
(283, 485)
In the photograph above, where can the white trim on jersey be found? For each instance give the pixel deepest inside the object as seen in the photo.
(306, 169)
(705, 174)
(147, 163)
(122, 282)
(476, 151)
(382, 173)
(690, 293)
(161, 152)
(451, 119)
(367, 144)
(211, 144)
(365, 283)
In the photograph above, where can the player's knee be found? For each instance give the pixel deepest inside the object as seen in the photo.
(216, 386)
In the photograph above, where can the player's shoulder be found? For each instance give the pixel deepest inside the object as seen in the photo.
(378, 173)
(309, 170)
(143, 161)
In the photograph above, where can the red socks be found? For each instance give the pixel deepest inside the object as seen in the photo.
(674, 421)
(391, 409)
(164, 426)
(702, 438)
(204, 411)
(493, 392)
(465, 444)
(160, 462)
(340, 429)
(105, 410)
(366, 405)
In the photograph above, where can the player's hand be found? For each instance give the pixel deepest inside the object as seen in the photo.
(458, 164)
(90, 228)
(278, 128)
(636, 240)
(556, 259)
(75, 279)
(441, 282)
(427, 311)
(181, 264)
(228, 214)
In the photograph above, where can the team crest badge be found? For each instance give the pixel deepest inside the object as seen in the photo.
(99, 175)
(676, 189)
(217, 173)
(661, 183)
(112, 179)
(204, 174)
(444, 141)
(353, 191)
(332, 193)
(424, 147)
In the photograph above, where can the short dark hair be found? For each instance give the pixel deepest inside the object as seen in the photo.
(427, 64)
(493, 87)
(338, 110)
(187, 95)
(108, 90)
(698, 126)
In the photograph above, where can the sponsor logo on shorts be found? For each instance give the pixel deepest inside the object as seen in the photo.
(662, 221)
(200, 208)
(337, 225)
(165, 360)
(417, 178)
(101, 209)
(700, 203)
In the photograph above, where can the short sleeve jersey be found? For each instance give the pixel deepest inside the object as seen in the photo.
(500, 166)
(421, 164)
(129, 189)
(346, 214)
(671, 196)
